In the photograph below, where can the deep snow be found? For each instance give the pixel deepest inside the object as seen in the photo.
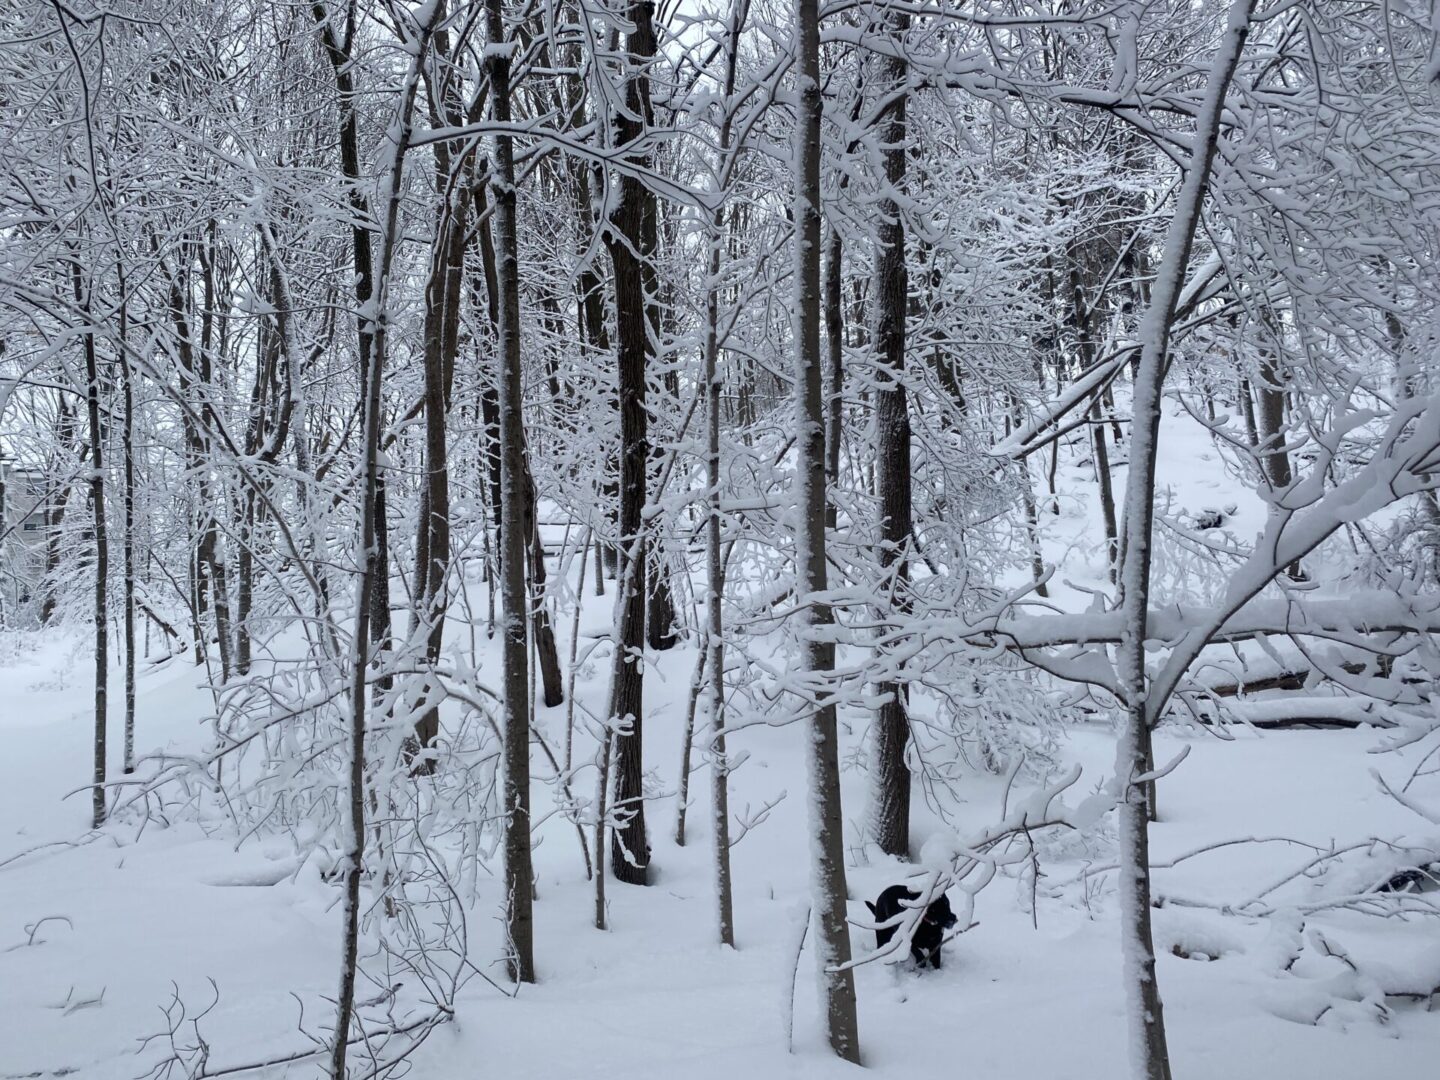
(124, 918)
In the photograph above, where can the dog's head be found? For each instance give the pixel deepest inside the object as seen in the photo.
(939, 913)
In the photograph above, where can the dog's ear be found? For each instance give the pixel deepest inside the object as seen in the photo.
(871, 907)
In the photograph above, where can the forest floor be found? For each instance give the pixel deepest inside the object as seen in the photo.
(96, 937)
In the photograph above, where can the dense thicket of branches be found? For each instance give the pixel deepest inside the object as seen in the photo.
(330, 313)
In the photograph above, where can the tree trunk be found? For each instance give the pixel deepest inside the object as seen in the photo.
(102, 555)
(1270, 418)
(660, 632)
(1150, 1055)
(547, 654)
(1085, 342)
(835, 368)
(489, 397)
(441, 334)
(890, 796)
(1032, 511)
(817, 659)
(365, 649)
(687, 743)
(128, 451)
(1107, 494)
(338, 43)
(714, 383)
(515, 528)
(630, 848)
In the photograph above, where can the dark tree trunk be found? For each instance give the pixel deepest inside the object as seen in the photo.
(890, 810)
(489, 396)
(547, 655)
(1271, 422)
(630, 846)
(338, 39)
(828, 888)
(516, 529)
(660, 632)
(102, 554)
(834, 383)
(366, 647)
(441, 331)
(1107, 495)
(128, 451)
(1085, 341)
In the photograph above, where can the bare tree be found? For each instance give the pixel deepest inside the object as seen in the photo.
(1134, 755)
(630, 240)
(514, 526)
(890, 811)
(416, 38)
(827, 875)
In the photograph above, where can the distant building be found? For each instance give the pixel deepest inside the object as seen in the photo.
(24, 529)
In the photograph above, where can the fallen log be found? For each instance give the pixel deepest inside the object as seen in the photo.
(1283, 680)
(1309, 711)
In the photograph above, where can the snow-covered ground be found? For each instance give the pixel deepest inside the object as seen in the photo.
(133, 917)
(99, 932)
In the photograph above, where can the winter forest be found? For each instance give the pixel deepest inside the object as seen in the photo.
(606, 538)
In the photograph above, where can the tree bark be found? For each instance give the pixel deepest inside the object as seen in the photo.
(441, 333)
(365, 649)
(714, 383)
(625, 239)
(127, 447)
(515, 526)
(1150, 1058)
(1270, 391)
(547, 654)
(338, 42)
(817, 659)
(890, 795)
(834, 368)
(102, 554)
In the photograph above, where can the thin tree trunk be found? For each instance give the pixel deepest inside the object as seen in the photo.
(1247, 411)
(128, 451)
(1271, 420)
(835, 369)
(514, 534)
(102, 555)
(245, 583)
(606, 754)
(1107, 495)
(687, 744)
(547, 654)
(1032, 514)
(574, 651)
(338, 39)
(441, 332)
(714, 383)
(1150, 1057)
(220, 601)
(372, 531)
(817, 659)
(1082, 318)
(599, 564)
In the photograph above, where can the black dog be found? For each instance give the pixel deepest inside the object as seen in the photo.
(925, 944)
